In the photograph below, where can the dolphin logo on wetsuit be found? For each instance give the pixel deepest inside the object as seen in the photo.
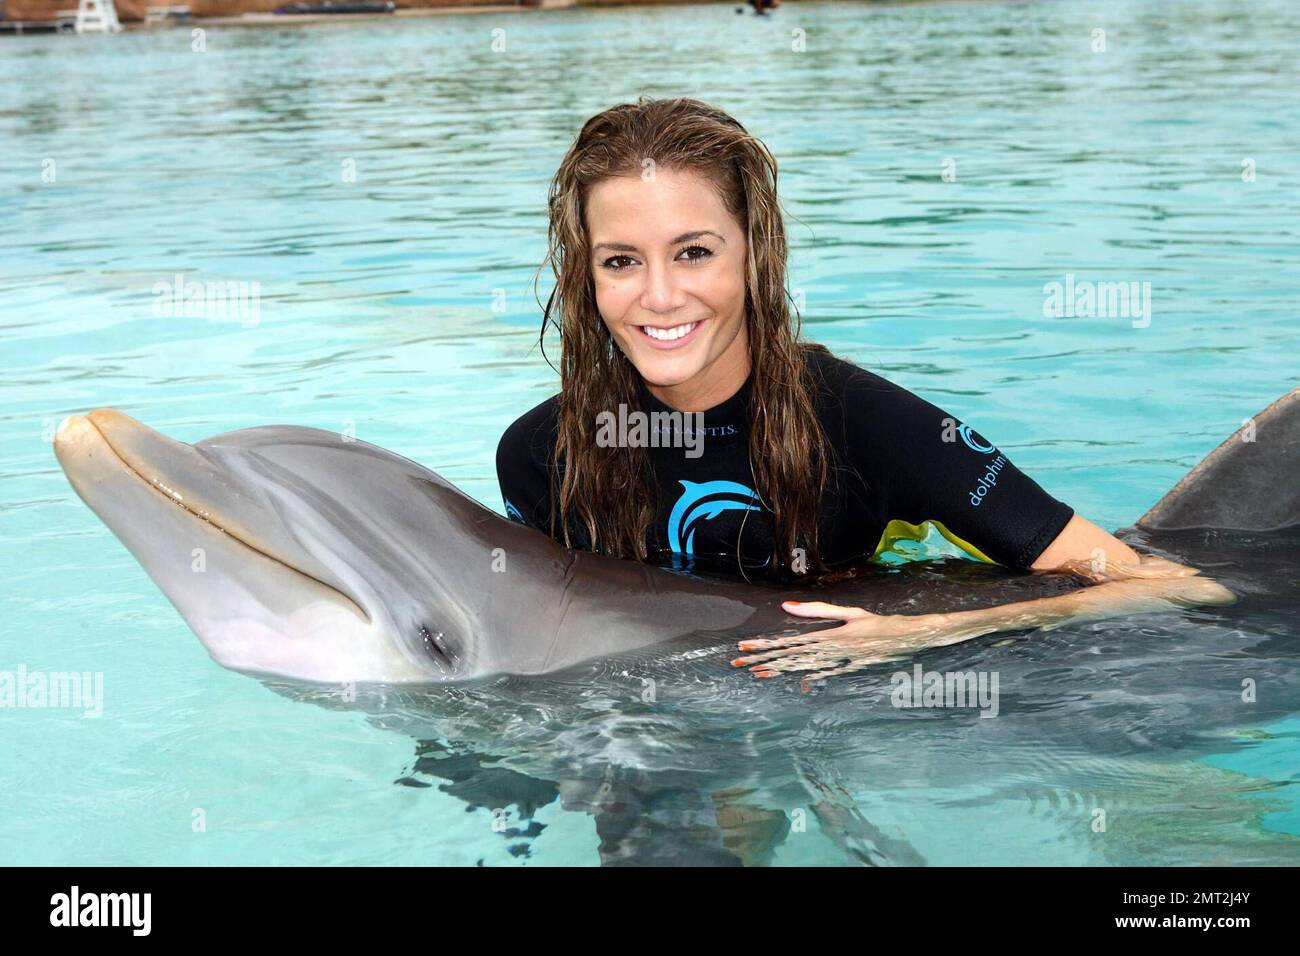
(704, 501)
(974, 440)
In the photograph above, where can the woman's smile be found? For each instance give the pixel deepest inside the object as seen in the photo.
(669, 336)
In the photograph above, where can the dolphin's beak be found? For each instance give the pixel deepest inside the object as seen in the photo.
(91, 446)
(109, 457)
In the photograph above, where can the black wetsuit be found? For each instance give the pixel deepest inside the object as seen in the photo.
(901, 462)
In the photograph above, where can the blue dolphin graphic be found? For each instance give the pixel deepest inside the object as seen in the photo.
(703, 501)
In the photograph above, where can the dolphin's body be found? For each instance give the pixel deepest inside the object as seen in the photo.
(296, 552)
(678, 759)
(324, 558)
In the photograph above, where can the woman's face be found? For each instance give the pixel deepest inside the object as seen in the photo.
(668, 262)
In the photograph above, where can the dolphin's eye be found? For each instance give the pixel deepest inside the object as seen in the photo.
(438, 646)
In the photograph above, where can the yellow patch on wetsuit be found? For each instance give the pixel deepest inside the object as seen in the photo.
(898, 530)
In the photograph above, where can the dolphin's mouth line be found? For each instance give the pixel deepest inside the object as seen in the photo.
(177, 500)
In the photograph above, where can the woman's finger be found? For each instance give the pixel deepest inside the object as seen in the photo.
(795, 662)
(850, 668)
(769, 643)
(835, 612)
(786, 649)
(1154, 567)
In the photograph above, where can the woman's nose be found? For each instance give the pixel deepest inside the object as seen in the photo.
(662, 293)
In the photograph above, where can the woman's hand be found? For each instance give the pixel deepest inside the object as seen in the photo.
(863, 639)
(1152, 584)
(1149, 567)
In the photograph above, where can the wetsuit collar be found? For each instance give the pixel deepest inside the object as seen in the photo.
(733, 411)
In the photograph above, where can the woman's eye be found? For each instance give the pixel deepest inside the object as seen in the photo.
(692, 253)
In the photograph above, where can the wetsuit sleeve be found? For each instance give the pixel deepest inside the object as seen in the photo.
(522, 471)
(922, 464)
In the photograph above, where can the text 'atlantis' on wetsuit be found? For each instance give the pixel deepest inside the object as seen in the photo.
(638, 429)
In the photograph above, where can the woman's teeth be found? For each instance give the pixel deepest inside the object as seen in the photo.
(667, 335)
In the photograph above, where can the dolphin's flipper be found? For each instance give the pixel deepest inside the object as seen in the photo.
(469, 777)
(1248, 483)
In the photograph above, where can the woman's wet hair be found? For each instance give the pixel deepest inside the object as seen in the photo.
(605, 494)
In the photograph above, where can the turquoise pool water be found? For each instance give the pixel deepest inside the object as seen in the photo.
(401, 304)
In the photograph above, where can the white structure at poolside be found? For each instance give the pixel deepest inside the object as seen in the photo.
(97, 16)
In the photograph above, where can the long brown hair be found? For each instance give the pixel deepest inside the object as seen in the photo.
(608, 489)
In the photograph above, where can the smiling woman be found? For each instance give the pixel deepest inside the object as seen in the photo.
(668, 245)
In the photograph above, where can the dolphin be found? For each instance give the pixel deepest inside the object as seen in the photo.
(300, 553)
(307, 559)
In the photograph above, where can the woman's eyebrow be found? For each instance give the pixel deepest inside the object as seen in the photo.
(684, 237)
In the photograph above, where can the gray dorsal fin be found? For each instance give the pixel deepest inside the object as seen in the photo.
(1249, 482)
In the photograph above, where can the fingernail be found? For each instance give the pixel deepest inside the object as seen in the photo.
(794, 602)
(738, 662)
